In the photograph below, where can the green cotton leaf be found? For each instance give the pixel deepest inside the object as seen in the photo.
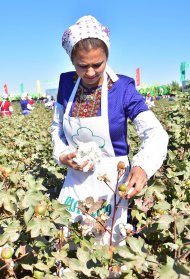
(180, 223)
(20, 193)
(58, 207)
(136, 244)
(11, 232)
(15, 178)
(51, 262)
(63, 213)
(159, 193)
(101, 271)
(87, 244)
(139, 264)
(14, 236)
(4, 151)
(70, 275)
(27, 267)
(41, 242)
(61, 256)
(173, 271)
(38, 226)
(59, 210)
(28, 214)
(162, 205)
(101, 252)
(182, 270)
(41, 266)
(83, 256)
(61, 221)
(76, 265)
(172, 155)
(124, 252)
(21, 167)
(20, 142)
(9, 206)
(47, 227)
(8, 201)
(39, 187)
(164, 222)
(3, 238)
(34, 226)
(30, 179)
(31, 198)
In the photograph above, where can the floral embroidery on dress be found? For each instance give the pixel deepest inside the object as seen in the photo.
(87, 101)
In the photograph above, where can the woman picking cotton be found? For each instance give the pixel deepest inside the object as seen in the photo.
(89, 130)
(6, 108)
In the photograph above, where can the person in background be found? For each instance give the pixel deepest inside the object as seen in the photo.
(149, 100)
(25, 106)
(6, 106)
(49, 103)
(91, 113)
(30, 101)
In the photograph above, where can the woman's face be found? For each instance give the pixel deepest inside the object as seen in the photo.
(90, 66)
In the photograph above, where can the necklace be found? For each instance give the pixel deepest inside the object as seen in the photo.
(87, 101)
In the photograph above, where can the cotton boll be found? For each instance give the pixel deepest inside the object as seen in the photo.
(87, 152)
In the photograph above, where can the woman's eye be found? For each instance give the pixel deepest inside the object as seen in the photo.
(96, 66)
(83, 66)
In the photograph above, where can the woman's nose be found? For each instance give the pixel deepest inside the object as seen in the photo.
(90, 71)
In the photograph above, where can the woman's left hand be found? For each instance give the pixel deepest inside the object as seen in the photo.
(135, 182)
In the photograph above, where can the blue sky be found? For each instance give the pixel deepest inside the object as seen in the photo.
(150, 34)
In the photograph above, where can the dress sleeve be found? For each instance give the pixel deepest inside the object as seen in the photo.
(154, 142)
(134, 101)
(57, 133)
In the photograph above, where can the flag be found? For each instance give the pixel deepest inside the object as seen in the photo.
(38, 87)
(22, 88)
(182, 71)
(138, 77)
(6, 89)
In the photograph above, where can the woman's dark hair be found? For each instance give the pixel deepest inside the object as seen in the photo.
(87, 44)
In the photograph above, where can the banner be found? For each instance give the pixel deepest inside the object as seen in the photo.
(182, 71)
(6, 89)
(138, 77)
(21, 88)
(38, 87)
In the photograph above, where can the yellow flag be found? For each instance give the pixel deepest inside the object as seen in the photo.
(38, 87)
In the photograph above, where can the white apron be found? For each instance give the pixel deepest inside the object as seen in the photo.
(79, 185)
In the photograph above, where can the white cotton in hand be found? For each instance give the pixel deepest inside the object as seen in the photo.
(90, 152)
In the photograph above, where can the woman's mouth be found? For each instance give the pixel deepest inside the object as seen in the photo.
(90, 78)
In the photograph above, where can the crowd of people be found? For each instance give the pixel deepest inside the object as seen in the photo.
(26, 104)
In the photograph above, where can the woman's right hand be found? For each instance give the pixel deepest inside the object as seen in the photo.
(67, 159)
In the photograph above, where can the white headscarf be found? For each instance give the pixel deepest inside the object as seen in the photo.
(24, 95)
(85, 27)
(5, 96)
